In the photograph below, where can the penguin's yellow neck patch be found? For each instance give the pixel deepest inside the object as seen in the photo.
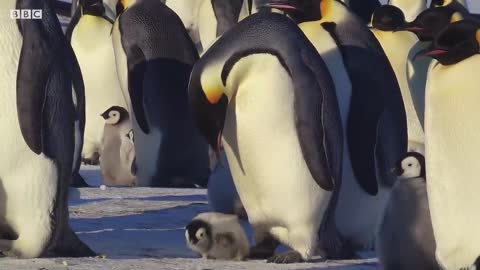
(127, 3)
(456, 17)
(326, 7)
(478, 36)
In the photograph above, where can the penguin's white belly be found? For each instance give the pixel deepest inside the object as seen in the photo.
(207, 24)
(28, 182)
(452, 147)
(102, 88)
(356, 211)
(263, 150)
(397, 47)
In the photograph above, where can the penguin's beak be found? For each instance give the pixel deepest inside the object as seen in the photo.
(435, 52)
(411, 27)
(278, 4)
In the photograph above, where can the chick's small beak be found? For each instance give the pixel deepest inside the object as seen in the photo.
(397, 171)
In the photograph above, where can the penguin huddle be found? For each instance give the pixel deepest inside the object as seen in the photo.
(311, 106)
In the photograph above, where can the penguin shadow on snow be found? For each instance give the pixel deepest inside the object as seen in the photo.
(182, 158)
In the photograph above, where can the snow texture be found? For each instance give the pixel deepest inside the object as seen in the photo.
(143, 228)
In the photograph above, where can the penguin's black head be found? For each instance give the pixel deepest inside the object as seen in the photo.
(199, 233)
(411, 166)
(92, 7)
(208, 110)
(299, 10)
(115, 115)
(437, 3)
(455, 43)
(430, 22)
(388, 18)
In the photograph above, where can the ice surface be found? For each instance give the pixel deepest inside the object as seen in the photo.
(142, 228)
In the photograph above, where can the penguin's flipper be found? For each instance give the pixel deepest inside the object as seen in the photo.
(136, 91)
(318, 120)
(32, 78)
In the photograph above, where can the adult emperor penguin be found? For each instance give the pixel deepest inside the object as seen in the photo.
(376, 128)
(271, 93)
(410, 8)
(397, 46)
(433, 20)
(90, 36)
(452, 139)
(154, 58)
(205, 20)
(118, 152)
(38, 72)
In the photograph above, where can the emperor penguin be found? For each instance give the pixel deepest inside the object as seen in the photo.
(117, 153)
(269, 98)
(405, 238)
(154, 58)
(433, 20)
(92, 42)
(40, 93)
(205, 20)
(372, 110)
(410, 8)
(397, 45)
(451, 142)
(377, 126)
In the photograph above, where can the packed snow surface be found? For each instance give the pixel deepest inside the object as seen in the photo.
(143, 228)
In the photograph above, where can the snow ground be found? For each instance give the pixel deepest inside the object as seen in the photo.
(142, 228)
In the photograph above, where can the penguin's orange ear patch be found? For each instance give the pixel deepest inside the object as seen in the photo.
(456, 17)
(478, 36)
(325, 6)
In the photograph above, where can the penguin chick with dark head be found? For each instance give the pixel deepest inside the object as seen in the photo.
(405, 238)
(217, 236)
(118, 151)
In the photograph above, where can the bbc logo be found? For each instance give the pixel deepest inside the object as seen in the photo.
(26, 14)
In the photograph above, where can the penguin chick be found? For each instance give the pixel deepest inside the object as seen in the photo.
(405, 237)
(217, 236)
(118, 150)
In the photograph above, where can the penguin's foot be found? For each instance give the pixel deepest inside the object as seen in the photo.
(78, 181)
(90, 161)
(291, 256)
(264, 249)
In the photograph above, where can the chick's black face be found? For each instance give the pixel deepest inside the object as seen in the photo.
(198, 230)
(430, 22)
(456, 43)
(437, 3)
(388, 18)
(123, 113)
